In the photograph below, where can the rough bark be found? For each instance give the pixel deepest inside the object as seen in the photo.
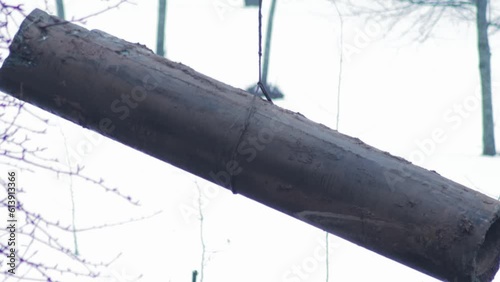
(266, 153)
(485, 73)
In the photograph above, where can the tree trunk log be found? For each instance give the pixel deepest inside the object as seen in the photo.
(266, 153)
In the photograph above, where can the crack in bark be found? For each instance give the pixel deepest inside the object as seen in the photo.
(251, 112)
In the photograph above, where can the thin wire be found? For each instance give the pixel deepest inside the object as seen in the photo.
(341, 61)
(202, 237)
(260, 84)
(327, 258)
(260, 40)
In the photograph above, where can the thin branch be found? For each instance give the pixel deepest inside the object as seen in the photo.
(341, 61)
(202, 238)
(71, 190)
(115, 6)
(19, 125)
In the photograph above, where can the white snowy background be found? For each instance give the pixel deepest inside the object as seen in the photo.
(395, 94)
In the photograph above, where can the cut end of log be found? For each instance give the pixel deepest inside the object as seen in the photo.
(488, 256)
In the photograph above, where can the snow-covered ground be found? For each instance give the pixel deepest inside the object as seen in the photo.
(395, 94)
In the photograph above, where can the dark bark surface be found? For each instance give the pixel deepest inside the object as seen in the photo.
(266, 153)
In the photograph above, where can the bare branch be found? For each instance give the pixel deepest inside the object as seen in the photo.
(115, 6)
(420, 15)
(20, 125)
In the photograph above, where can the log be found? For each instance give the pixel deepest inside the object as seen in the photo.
(266, 153)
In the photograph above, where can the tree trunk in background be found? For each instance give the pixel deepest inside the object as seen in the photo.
(60, 9)
(485, 73)
(277, 157)
(267, 46)
(160, 37)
